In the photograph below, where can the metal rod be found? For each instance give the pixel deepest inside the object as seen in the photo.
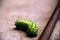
(50, 25)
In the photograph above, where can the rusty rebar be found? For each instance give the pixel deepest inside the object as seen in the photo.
(50, 25)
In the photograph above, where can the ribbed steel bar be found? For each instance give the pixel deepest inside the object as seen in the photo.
(50, 25)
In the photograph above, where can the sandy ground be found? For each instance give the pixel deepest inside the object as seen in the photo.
(37, 11)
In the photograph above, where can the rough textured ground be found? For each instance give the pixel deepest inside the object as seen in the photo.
(37, 11)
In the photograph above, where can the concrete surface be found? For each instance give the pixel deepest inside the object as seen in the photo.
(37, 11)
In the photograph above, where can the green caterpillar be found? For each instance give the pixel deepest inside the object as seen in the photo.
(28, 26)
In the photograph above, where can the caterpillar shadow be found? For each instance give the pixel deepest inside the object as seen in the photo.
(27, 35)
